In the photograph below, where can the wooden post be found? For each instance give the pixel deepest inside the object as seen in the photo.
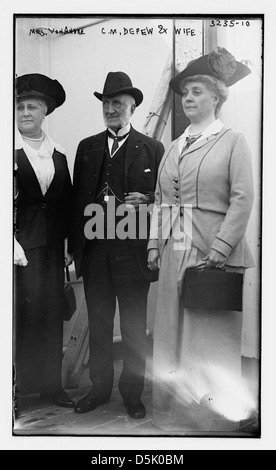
(209, 36)
(186, 48)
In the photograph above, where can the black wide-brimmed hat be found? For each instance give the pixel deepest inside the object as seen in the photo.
(219, 64)
(36, 85)
(119, 82)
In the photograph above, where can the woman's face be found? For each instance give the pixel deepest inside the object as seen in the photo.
(29, 116)
(199, 103)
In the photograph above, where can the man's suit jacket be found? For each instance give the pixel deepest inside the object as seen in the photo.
(143, 155)
(41, 220)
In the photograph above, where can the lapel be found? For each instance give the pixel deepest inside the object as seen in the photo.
(95, 155)
(98, 150)
(134, 145)
(27, 174)
(30, 181)
(202, 143)
(57, 182)
(199, 144)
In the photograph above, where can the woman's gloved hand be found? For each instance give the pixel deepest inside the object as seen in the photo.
(19, 255)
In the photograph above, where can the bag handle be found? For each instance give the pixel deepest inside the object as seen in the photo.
(209, 268)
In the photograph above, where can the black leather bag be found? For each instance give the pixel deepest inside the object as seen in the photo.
(70, 304)
(212, 289)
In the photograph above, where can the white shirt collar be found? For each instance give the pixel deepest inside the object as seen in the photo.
(19, 143)
(124, 130)
(212, 129)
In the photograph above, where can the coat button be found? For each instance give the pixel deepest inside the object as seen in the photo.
(175, 180)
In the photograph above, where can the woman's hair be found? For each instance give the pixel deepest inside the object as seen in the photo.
(214, 85)
(43, 105)
(39, 99)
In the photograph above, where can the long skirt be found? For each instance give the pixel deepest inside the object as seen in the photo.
(38, 321)
(197, 384)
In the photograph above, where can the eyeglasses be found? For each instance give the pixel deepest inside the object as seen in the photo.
(114, 103)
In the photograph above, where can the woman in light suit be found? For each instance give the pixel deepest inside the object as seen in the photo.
(204, 185)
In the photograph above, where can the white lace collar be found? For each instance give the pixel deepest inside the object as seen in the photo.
(49, 142)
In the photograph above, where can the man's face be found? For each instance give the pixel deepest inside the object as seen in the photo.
(117, 111)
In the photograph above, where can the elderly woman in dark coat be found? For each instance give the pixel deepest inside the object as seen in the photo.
(42, 204)
(204, 185)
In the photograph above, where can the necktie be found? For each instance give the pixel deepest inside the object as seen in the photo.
(116, 139)
(191, 140)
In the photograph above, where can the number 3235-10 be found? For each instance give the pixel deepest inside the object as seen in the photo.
(229, 23)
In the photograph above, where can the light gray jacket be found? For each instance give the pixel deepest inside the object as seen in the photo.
(214, 176)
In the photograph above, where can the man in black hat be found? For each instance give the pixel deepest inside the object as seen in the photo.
(116, 169)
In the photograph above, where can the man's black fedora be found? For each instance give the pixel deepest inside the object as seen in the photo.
(219, 64)
(37, 85)
(119, 82)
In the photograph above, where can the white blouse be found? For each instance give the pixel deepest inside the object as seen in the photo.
(41, 159)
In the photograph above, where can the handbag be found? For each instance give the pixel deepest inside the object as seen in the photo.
(70, 304)
(212, 288)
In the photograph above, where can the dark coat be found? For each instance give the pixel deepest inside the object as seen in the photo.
(41, 224)
(42, 220)
(142, 153)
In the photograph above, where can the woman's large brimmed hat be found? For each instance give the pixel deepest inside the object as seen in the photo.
(219, 64)
(36, 85)
(119, 82)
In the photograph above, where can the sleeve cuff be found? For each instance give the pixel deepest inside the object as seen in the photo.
(150, 194)
(222, 246)
(153, 244)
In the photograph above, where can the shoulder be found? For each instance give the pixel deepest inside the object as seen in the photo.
(231, 134)
(235, 140)
(146, 139)
(18, 152)
(234, 147)
(172, 146)
(89, 141)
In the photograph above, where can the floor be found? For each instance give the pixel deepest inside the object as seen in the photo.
(37, 418)
(41, 419)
